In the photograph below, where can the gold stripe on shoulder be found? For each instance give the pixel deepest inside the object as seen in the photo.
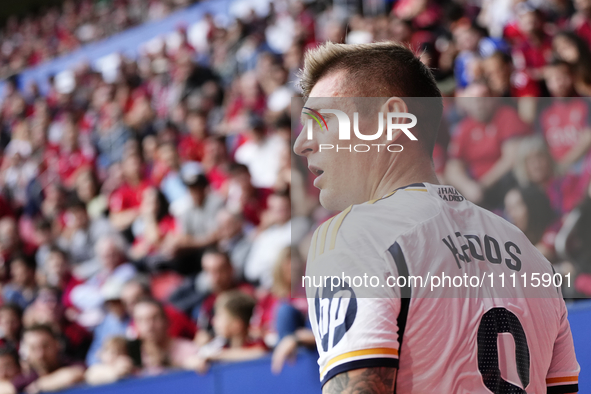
(378, 199)
(415, 190)
(323, 232)
(313, 244)
(337, 225)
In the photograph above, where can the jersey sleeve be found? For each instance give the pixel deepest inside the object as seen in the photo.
(563, 374)
(352, 330)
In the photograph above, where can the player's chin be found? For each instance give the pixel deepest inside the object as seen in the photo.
(330, 201)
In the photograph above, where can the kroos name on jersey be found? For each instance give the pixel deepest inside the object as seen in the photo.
(487, 250)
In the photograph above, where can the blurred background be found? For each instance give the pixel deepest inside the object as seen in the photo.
(152, 214)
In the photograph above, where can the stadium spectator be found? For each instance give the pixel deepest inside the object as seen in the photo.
(530, 210)
(233, 311)
(534, 165)
(260, 154)
(154, 225)
(483, 148)
(233, 240)
(22, 288)
(81, 233)
(11, 325)
(273, 234)
(125, 201)
(504, 80)
(151, 323)
(47, 369)
(11, 244)
(243, 197)
(581, 20)
(114, 363)
(87, 191)
(87, 297)
(533, 47)
(44, 240)
(179, 324)
(115, 323)
(191, 145)
(219, 277)
(466, 36)
(47, 310)
(573, 50)
(278, 314)
(566, 122)
(57, 272)
(9, 369)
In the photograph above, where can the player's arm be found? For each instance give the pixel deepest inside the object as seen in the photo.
(563, 374)
(378, 380)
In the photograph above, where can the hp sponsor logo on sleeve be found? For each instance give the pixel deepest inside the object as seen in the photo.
(335, 313)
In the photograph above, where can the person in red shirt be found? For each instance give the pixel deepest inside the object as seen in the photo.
(581, 20)
(71, 155)
(243, 196)
(125, 201)
(535, 50)
(191, 145)
(180, 326)
(482, 150)
(215, 163)
(566, 123)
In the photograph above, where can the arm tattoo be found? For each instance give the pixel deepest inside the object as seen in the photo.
(362, 381)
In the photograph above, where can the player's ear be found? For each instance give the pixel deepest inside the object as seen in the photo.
(395, 104)
(392, 105)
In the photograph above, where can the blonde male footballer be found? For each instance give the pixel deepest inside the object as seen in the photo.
(397, 221)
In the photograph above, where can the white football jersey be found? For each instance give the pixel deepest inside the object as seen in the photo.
(498, 324)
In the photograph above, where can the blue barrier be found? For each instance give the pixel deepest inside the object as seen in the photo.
(302, 377)
(252, 377)
(127, 42)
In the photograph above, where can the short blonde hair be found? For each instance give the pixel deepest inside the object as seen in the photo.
(380, 69)
(397, 70)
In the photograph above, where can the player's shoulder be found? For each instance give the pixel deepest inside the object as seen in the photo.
(374, 225)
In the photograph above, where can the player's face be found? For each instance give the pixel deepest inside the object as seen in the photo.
(343, 177)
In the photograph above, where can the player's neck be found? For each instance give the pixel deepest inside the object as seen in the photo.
(402, 173)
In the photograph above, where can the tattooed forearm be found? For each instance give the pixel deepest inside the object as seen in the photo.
(362, 381)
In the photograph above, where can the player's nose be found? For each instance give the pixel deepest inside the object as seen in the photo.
(304, 146)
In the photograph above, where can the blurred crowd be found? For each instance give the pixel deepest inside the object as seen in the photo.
(57, 30)
(155, 221)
